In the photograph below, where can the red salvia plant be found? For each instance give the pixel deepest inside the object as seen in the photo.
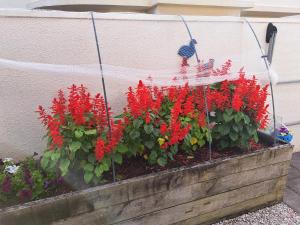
(159, 120)
(241, 110)
(79, 124)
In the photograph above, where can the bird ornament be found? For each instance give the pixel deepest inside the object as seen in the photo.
(187, 51)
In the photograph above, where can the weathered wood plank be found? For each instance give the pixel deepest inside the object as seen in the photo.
(196, 208)
(92, 199)
(235, 210)
(184, 194)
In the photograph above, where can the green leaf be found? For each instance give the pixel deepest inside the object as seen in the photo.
(161, 161)
(47, 154)
(105, 166)
(246, 119)
(88, 177)
(238, 117)
(119, 116)
(201, 142)
(78, 133)
(148, 128)
(187, 119)
(137, 123)
(153, 156)
(44, 162)
(74, 146)
(224, 129)
(88, 167)
(156, 132)
(86, 146)
(233, 136)
(224, 144)
(91, 132)
(235, 128)
(55, 155)
(107, 161)
(118, 158)
(171, 156)
(174, 149)
(149, 144)
(255, 137)
(251, 130)
(134, 134)
(98, 171)
(122, 148)
(227, 117)
(64, 166)
(91, 158)
(229, 111)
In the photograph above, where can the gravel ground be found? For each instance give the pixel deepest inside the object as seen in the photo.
(279, 214)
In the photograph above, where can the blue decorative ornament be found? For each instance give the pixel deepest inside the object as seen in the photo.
(283, 134)
(187, 51)
(286, 138)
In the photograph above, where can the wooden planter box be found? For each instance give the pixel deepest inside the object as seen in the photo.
(199, 194)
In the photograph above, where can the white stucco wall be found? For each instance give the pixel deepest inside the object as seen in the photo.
(14, 3)
(134, 41)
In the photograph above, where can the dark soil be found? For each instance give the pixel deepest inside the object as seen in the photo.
(138, 166)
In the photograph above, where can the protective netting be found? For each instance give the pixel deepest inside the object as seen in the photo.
(220, 60)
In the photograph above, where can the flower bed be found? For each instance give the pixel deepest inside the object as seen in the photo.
(157, 124)
(161, 128)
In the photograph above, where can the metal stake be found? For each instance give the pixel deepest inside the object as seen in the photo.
(104, 91)
(204, 90)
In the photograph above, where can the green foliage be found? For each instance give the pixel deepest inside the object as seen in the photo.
(77, 153)
(233, 129)
(143, 139)
(197, 137)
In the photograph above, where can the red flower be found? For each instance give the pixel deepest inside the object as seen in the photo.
(100, 149)
(147, 119)
(80, 109)
(59, 107)
(188, 107)
(202, 119)
(57, 137)
(44, 117)
(106, 147)
(163, 128)
(237, 102)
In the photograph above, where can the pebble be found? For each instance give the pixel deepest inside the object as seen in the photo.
(279, 214)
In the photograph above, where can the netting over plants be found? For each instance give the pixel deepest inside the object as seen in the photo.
(109, 122)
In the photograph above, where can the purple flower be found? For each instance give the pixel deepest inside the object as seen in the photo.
(6, 185)
(283, 130)
(1, 162)
(60, 181)
(47, 184)
(27, 177)
(25, 194)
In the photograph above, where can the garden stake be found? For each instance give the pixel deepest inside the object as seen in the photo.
(269, 76)
(204, 90)
(104, 91)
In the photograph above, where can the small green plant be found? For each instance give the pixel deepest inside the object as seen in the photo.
(234, 129)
